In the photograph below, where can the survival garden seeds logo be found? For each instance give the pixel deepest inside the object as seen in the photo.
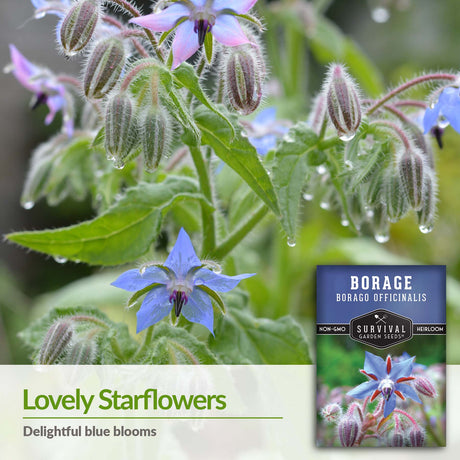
(381, 356)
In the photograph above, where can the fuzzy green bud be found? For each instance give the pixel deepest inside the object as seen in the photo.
(395, 198)
(103, 68)
(81, 351)
(56, 342)
(155, 135)
(348, 429)
(78, 26)
(411, 170)
(244, 74)
(343, 103)
(427, 213)
(120, 129)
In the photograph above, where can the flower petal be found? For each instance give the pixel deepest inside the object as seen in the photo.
(182, 258)
(24, 70)
(238, 6)
(374, 364)
(450, 106)
(364, 389)
(133, 280)
(430, 118)
(263, 144)
(408, 391)
(402, 369)
(185, 43)
(265, 116)
(199, 309)
(217, 282)
(390, 405)
(227, 30)
(164, 20)
(154, 308)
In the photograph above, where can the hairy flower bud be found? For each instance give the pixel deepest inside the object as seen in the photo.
(331, 412)
(155, 134)
(348, 429)
(411, 170)
(427, 213)
(56, 342)
(78, 26)
(395, 198)
(244, 74)
(343, 104)
(396, 439)
(425, 387)
(380, 223)
(82, 351)
(417, 437)
(103, 68)
(120, 129)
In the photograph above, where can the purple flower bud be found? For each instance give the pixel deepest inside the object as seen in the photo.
(81, 351)
(244, 74)
(120, 129)
(395, 198)
(417, 437)
(348, 429)
(104, 68)
(331, 412)
(78, 26)
(425, 387)
(396, 439)
(343, 104)
(427, 213)
(155, 134)
(412, 172)
(56, 342)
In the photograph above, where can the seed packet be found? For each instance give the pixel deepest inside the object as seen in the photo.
(381, 356)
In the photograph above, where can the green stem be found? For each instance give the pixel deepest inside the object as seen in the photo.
(117, 351)
(239, 233)
(429, 428)
(207, 216)
(145, 344)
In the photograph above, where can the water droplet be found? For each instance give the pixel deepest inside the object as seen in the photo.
(217, 270)
(109, 156)
(60, 259)
(307, 196)
(348, 164)
(8, 68)
(244, 134)
(381, 237)
(425, 228)
(369, 213)
(39, 15)
(344, 222)
(119, 164)
(291, 242)
(347, 137)
(288, 138)
(28, 204)
(321, 169)
(380, 14)
(443, 122)
(268, 172)
(325, 205)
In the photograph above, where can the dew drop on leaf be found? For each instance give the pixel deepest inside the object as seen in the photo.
(60, 259)
(307, 196)
(291, 242)
(321, 169)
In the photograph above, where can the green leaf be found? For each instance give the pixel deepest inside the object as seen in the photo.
(121, 234)
(328, 44)
(241, 338)
(290, 170)
(174, 345)
(237, 152)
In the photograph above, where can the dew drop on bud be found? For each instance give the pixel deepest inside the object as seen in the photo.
(425, 228)
(119, 164)
(60, 259)
(217, 269)
(380, 14)
(39, 15)
(28, 205)
(347, 137)
(291, 242)
(307, 196)
(321, 169)
(348, 164)
(382, 237)
(325, 205)
(344, 222)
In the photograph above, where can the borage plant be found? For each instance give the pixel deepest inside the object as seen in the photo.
(159, 143)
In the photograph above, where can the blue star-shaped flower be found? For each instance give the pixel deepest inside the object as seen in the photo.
(181, 282)
(386, 378)
(448, 106)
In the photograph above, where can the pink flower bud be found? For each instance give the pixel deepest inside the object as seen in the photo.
(396, 439)
(104, 68)
(425, 387)
(78, 26)
(343, 104)
(56, 342)
(348, 429)
(331, 412)
(417, 437)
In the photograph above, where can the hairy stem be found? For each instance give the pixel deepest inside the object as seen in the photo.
(399, 132)
(145, 344)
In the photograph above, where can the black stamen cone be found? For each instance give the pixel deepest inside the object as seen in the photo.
(437, 132)
(179, 301)
(41, 98)
(201, 28)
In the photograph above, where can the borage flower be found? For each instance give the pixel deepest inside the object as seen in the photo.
(445, 111)
(56, 7)
(44, 85)
(182, 282)
(386, 378)
(193, 19)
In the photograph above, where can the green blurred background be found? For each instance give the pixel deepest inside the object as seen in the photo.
(418, 36)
